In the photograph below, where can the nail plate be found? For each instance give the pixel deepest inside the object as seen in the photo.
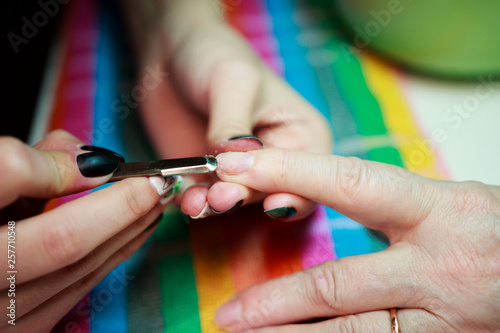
(249, 137)
(97, 163)
(230, 209)
(173, 190)
(281, 212)
(234, 163)
(162, 185)
(204, 212)
(154, 223)
(100, 149)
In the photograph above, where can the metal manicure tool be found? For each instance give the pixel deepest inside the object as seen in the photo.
(170, 167)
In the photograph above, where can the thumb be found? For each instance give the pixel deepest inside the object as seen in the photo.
(232, 94)
(371, 193)
(34, 173)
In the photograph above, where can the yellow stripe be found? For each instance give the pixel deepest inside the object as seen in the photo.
(416, 151)
(213, 275)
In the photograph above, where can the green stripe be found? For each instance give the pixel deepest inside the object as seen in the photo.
(178, 292)
(176, 274)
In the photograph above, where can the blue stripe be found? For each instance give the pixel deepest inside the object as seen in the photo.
(109, 306)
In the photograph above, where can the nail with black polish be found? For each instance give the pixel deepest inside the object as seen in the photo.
(230, 209)
(250, 137)
(281, 212)
(97, 163)
(95, 148)
(154, 223)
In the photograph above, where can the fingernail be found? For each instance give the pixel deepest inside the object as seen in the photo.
(281, 212)
(234, 163)
(230, 209)
(247, 137)
(97, 163)
(204, 212)
(100, 149)
(228, 315)
(169, 196)
(162, 185)
(155, 222)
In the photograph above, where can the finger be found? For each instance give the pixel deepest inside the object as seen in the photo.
(287, 206)
(332, 289)
(222, 197)
(33, 293)
(46, 316)
(67, 233)
(411, 320)
(29, 172)
(232, 93)
(206, 200)
(363, 190)
(284, 119)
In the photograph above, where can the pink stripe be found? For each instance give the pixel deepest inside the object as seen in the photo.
(253, 20)
(79, 94)
(317, 244)
(77, 99)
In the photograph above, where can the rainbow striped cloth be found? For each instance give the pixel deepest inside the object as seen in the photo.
(178, 279)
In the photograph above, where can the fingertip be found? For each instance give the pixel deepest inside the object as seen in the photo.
(223, 196)
(194, 200)
(288, 207)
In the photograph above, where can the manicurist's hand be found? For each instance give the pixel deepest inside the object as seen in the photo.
(441, 270)
(214, 94)
(60, 255)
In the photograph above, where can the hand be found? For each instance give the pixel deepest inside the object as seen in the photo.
(441, 269)
(217, 90)
(62, 254)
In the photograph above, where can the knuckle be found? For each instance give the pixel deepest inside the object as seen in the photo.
(88, 282)
(136, 198)
(351, 174)
(326, 288)
(16, 161)
(56, 139)
(124, 253)
(62, 173)
(61, 245)
(83, 266)
(234, 70)
(472, 197)
(348, 324)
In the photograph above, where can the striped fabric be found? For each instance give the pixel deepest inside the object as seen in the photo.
(178, 279)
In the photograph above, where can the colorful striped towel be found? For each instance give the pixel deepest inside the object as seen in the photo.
(178, 279)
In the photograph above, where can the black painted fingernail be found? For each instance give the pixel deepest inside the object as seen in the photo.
(251, 137)
(97, 163)
(281, 212)
(233, 208)
(154, 223)
(95, 148)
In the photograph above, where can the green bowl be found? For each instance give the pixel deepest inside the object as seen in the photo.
(459, 38)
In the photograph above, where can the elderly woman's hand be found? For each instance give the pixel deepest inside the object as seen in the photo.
(57, 257)
(441, 270)
(218, 96)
